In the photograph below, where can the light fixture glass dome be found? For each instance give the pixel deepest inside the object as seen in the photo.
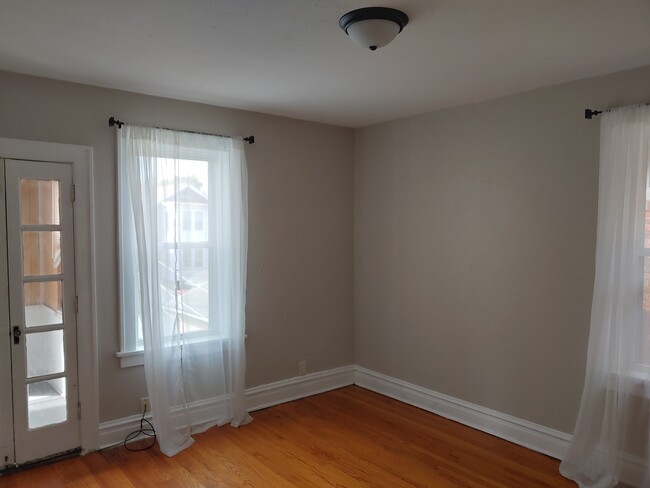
(373, 27)
(374, 33)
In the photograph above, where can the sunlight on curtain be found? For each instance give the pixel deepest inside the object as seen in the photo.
(183, 248)
(611, 437)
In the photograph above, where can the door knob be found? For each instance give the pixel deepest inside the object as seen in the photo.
(17, 334)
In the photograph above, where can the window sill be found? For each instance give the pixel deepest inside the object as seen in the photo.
(130, 359)
(633, 382)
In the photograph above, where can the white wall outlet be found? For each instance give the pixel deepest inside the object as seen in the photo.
(145, 406)
(302, 367)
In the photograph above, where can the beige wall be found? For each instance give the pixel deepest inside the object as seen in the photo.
(474, 246)
(300, 211)
(474, 237)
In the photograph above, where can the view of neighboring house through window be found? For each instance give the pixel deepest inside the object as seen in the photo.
(184, 246)
(187, 220)
(187, 196)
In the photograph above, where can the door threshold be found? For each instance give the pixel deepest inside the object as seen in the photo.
(72, 453)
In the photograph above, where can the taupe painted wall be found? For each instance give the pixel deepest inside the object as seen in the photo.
(474, 246)
(300, 292)
(474, 237)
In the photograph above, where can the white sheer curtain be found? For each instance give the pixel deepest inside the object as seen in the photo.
(611, 438)
(183, 247)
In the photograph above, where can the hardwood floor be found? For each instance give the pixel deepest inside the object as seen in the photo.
(344, 438)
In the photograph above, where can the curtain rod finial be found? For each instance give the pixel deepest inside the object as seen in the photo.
(250, 139)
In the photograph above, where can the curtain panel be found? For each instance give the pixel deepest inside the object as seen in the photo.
(611, 438)
(183, 248)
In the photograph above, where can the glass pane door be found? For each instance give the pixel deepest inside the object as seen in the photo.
(42, 299)
(42, 308)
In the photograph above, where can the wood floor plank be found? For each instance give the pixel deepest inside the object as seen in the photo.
(349, 437)
(107, 475)
(463, 445)
(238, 464)
(391, 453)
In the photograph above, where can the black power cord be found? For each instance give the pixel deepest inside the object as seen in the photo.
(146, 431)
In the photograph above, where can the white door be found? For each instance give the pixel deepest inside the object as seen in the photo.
(42, 311)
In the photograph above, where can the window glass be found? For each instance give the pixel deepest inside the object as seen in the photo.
(644, 342)
(185, 207)
(183, 270)
(187, 220)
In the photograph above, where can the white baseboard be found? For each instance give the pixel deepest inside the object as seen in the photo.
(528, 434)
(283, 391)
(554, 443)
(114, 431)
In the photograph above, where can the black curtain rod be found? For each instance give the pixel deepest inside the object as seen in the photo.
(591, 113)
(112, 121)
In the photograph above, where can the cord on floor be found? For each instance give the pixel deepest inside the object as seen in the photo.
(146, 431)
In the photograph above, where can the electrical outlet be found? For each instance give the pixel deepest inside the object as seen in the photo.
(302, 367)
(145, 406)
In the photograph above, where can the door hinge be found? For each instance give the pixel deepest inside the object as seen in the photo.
(79, 410)
(76, 304)
(73, 193)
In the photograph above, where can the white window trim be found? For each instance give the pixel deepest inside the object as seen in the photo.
(129, 359)
(135, 357)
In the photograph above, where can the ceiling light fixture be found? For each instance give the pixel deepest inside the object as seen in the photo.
(373, 27)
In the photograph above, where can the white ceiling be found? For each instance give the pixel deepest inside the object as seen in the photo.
(289, 57)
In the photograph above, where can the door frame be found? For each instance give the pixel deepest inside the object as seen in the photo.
(7, 447)
(81, 158)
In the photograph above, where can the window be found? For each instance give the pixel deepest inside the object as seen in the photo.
(643, 352)
(185, 203)
(191, 313)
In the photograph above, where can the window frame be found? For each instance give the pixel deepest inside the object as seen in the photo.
(131, 351)
(638, 368)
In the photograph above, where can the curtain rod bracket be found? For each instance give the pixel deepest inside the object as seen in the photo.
(590, 114)
(113, 121)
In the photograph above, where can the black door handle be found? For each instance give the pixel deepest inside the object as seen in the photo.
(17, 334)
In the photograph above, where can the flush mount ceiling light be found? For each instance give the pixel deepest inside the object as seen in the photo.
(373, 27)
